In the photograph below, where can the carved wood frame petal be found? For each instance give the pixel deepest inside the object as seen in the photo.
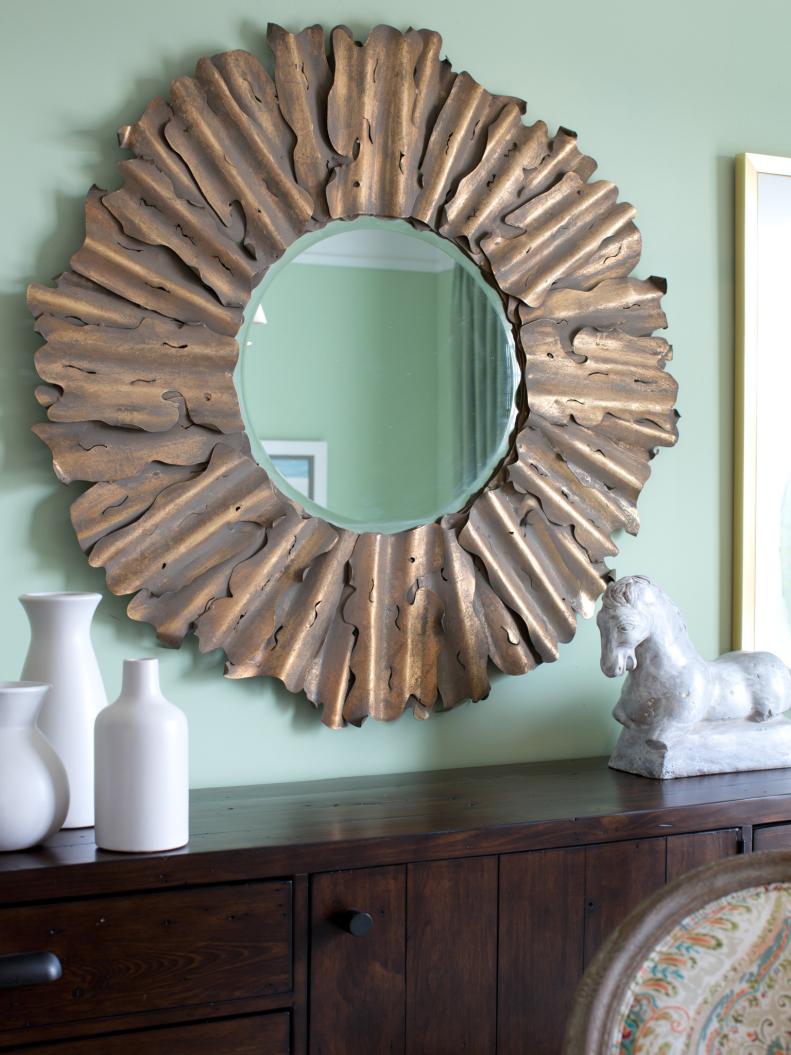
(137, 373)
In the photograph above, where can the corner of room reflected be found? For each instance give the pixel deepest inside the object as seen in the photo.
(377, 375)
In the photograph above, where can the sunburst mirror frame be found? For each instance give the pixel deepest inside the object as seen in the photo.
(140, 350)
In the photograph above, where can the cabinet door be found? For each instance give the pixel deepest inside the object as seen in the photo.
(423, 980)
(452, 957)
(618, 876)
(558, 906)
(357, 982)
(685, 852)
(541, 926)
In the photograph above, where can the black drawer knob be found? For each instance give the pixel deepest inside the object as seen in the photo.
(29, 968)
(355, 922)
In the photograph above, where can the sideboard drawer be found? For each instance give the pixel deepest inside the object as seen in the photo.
(253, 1035)
(150, 951)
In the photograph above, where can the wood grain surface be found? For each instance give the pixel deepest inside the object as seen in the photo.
(321, 825)
(451, 943)
(685, 852)
(542, 909)
(253, 1035)
(176, 948)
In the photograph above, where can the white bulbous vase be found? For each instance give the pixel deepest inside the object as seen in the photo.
(142, 767)
(62, 656)
(34, 791)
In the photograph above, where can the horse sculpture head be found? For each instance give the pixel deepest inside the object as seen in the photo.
(625, 621)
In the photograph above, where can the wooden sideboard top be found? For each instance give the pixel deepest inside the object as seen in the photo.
(278, 829)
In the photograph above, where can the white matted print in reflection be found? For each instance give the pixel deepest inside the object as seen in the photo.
(303, 463)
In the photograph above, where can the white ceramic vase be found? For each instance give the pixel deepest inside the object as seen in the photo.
(62, 656)
(142, 767)
(34, 791)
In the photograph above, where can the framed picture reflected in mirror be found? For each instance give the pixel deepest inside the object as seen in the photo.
(303, 464)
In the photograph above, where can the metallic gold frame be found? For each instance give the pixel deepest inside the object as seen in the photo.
(748, 168)
(140, 351)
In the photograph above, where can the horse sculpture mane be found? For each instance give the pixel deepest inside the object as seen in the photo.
(627, 592)
(637, 591)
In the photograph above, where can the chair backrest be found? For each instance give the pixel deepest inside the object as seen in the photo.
(703, 966)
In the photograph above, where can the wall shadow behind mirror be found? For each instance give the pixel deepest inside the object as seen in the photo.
(377, 376)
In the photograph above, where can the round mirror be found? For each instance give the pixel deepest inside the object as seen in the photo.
(377, 375)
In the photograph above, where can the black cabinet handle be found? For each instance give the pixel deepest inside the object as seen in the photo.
(29, 968)
(355, 922)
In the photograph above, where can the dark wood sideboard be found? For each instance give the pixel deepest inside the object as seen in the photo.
(427, 913)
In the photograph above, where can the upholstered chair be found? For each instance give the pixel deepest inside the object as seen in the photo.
(703, 966)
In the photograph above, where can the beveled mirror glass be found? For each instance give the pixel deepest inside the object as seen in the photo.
(377, 375)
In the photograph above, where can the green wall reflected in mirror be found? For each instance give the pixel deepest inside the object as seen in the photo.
(377, 375)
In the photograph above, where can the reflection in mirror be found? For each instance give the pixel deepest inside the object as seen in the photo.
(377, 375)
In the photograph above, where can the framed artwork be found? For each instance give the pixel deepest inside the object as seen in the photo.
(303, 463)
(762, 529)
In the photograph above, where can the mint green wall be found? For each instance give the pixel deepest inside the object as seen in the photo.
(347, 356)
(662, 95)
(371, 361)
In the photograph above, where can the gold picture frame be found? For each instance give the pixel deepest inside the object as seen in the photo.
(747, 395)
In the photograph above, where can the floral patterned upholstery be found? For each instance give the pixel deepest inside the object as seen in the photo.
(718, 984)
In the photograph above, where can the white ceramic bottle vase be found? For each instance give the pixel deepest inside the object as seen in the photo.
(142, 767)
(62, 656)
(34, 791)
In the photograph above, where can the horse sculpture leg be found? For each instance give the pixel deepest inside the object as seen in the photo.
(621, 716)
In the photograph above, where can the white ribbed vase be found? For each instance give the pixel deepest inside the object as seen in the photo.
(61, 655)
(142, 767)
(34, 791)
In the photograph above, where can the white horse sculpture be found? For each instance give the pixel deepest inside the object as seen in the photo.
(669, 687)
